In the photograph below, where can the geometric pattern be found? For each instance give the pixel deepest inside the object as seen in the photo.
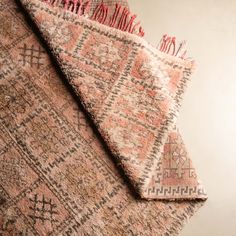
(31, 55)
(12, 172)
(56, 176)
(175, 175)
(42, 209)
(134, 106)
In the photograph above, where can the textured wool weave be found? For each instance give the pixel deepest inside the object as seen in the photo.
(58, 175)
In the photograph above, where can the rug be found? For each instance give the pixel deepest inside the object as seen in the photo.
(84, 161)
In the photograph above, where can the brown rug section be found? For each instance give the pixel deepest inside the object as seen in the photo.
(56, 178)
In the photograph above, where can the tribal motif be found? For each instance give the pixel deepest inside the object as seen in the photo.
(57, 177)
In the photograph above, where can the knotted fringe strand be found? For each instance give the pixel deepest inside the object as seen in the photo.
(167, 44)
(121, 18)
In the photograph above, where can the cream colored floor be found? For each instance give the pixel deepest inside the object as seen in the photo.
(208, 115)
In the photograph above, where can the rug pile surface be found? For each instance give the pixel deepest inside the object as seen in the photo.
(88, 137)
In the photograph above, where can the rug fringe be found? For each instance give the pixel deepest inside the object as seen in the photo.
(121, 19)
(167, 44)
